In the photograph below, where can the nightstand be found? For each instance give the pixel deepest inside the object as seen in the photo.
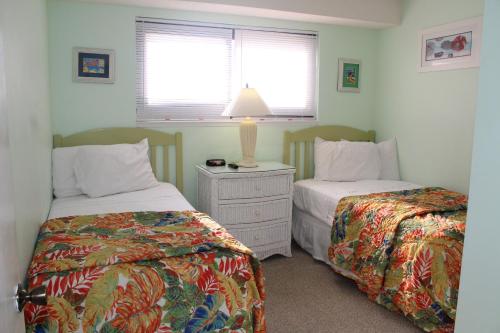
(253, 204)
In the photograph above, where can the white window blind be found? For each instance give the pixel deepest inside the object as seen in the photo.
(191, 72)
(282, 66)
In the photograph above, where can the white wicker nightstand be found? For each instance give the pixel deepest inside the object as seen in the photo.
(253, 204)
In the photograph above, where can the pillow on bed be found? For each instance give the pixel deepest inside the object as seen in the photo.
(388, 151)
(346, 161)
(322, 150)
(111, 169)
(63, 174)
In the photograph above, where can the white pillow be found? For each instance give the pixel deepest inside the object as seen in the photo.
(322, 151)
(388, 151)
(111, 169)
(63, 174)
(346, 161)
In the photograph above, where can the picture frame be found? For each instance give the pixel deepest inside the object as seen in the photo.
(451, 46)
(349, 75)
(93, 65)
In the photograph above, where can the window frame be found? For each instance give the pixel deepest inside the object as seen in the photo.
(229, 121)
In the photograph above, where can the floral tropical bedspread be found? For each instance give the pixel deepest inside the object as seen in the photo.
(404, 250)
(144, 272)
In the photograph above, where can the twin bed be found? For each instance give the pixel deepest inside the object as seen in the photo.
(400, 242)
(141, 261)
(146, 261)
(315, 201)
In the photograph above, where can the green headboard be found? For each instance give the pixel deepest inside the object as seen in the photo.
(157, 140)
(303, 142)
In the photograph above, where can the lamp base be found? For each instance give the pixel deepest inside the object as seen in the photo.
(247, 163)
(248, 137)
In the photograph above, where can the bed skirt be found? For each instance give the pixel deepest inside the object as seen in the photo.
(314, 237)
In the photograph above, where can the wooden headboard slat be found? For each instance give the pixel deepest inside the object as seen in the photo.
(298, 165)
(154, 164)
(306, 136)
(166, 163)
(117, 135)
(179, 172)
(307, 164)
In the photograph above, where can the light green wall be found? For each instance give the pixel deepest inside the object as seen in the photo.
(479, 299)
(23, 26)
(78, 106)
(431, 114)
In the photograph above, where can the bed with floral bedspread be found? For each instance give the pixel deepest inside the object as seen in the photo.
(404, 250)
(144, 272)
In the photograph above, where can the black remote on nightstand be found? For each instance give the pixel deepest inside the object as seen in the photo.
(233, 165)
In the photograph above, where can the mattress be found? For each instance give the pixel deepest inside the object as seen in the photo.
(159, 198)
(320, 198)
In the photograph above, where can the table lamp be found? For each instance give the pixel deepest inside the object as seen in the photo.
(248, 104)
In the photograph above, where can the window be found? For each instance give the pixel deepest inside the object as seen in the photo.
(191, 72)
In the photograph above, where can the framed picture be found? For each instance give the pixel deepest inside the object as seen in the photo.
(93, 65)
(451, 46)
(348, 76)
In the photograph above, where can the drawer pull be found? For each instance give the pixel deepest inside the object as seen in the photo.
(257, 213)
(256, 237)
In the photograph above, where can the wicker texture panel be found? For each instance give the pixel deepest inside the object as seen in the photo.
(255, 206)
(266, 251)
(257, 187)
(263, 236)
(254, 212)
(204, 196)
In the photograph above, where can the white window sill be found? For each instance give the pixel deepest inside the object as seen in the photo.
(222, 123)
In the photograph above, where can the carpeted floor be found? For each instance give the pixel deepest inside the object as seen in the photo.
(306, 296)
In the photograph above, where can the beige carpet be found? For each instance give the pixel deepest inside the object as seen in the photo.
(305, 295)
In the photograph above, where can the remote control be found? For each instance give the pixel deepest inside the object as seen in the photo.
(233, 165)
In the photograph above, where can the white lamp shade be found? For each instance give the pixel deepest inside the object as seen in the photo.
(249, 104)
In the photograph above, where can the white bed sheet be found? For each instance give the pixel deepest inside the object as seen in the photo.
(320, 198)
(159, 198)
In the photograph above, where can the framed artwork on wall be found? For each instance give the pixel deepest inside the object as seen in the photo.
(450, 46)
(93, 65)
(349, 75)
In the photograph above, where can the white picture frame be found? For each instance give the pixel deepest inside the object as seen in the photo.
(354, 65)
(93, 65)
(451, 46)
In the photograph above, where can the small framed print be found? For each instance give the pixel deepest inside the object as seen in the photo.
(450, 46)
(93, 65)
(349, 75)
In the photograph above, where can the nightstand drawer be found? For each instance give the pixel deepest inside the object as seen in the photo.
(263, 236)
(253, 187)
(254, 212)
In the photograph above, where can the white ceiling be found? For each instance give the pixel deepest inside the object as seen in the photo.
(363, 13)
